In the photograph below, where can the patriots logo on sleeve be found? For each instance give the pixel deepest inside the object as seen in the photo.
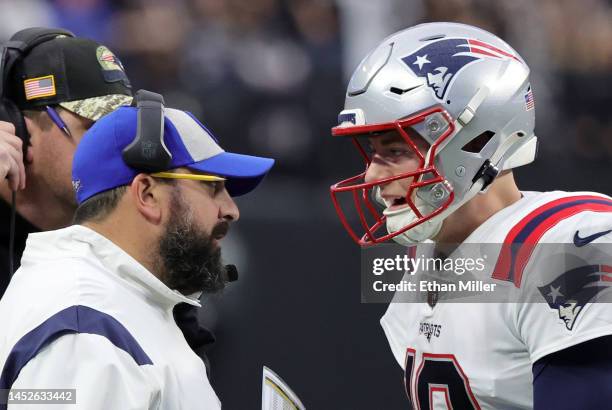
(440, 61)
(569, 292)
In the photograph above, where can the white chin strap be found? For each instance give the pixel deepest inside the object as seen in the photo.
(400, 218)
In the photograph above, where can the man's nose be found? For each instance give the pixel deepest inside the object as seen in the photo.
(228, 210)
(377, 170)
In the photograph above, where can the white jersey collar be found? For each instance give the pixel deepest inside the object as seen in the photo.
(481, 234)
(119, 262)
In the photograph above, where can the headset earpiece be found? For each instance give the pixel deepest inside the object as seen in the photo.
(148, 152)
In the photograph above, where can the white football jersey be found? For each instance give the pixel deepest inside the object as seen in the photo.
(82, 314)
(480, 355)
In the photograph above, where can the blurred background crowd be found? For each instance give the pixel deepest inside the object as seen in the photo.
(268, 77)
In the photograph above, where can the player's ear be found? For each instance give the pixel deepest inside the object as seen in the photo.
(148, 197)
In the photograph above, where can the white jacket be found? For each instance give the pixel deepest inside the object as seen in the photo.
(82, 314)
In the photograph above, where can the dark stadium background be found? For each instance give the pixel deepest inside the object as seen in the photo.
(268, 77)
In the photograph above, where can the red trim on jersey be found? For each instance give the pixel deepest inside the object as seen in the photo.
(442, 389)
(525, 251)
(605, 269)
(409, 373)
(411, 251)
(452, 358)
(510, 267)
(416, 378)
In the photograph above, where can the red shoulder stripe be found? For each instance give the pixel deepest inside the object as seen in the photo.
(522, 238)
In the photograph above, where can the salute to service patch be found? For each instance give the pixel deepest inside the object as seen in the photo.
(39, 87)
(112, 69)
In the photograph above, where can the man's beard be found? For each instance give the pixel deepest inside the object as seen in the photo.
(190, 261)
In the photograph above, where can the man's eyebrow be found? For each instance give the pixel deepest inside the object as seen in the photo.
(386, 140)
(391, 141)
(390, 137)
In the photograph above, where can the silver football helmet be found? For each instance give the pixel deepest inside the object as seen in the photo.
(462, 90)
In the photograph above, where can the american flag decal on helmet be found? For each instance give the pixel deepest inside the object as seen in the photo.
(529, 102)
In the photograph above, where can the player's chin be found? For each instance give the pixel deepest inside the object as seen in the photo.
(398, 207)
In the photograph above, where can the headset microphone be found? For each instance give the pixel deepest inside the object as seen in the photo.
(231, 274)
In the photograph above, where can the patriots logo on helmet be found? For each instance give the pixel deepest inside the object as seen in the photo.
(440, 61)
(569, 292)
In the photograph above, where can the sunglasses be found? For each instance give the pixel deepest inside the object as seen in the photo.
(195, 177)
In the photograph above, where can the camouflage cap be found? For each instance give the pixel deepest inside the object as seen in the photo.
(96, 107)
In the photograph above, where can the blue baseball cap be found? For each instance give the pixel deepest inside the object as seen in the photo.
(98, 163)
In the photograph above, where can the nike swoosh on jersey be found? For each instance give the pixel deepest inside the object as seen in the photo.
(578, 241)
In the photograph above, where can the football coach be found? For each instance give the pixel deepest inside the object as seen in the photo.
(90, 309)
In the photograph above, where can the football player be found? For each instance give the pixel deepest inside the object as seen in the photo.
(442, 113)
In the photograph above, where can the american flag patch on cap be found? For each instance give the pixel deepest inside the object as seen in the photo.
(529, 102)
(39, 87)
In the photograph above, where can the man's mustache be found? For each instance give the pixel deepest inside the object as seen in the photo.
(220, 230)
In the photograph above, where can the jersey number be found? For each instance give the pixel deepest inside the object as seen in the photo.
(438, 378)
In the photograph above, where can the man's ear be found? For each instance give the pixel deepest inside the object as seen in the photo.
(29, 155)
(32, 126)
(148, 197)
(33, 129)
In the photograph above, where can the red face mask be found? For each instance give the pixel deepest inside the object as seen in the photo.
(432, 125)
